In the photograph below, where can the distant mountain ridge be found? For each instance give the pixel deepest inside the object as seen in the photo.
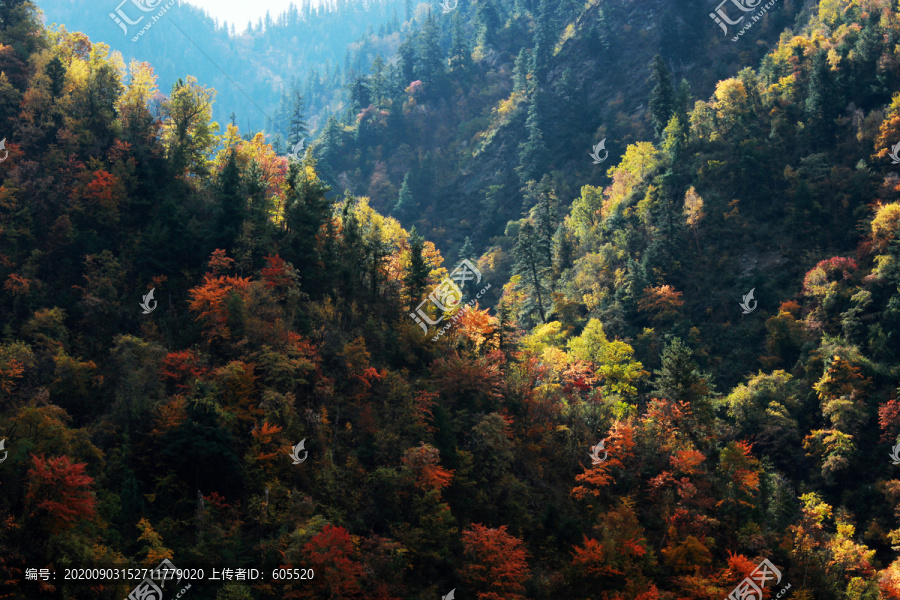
(261, 61)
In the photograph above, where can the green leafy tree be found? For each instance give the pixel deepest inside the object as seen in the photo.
(20, 27)
(188, 132)
(764, 411)
(618, 372)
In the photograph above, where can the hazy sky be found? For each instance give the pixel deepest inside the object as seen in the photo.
(241, 11)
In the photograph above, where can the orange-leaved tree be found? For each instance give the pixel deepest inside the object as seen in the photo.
(740, 473)
(210, 300)
(615, 556)
(424, 462)
(618, 447)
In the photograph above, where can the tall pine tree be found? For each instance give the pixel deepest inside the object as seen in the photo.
(530, 255)
(430, 54)
(406, 63)
(533, 152)
(232, 204)
(299, 128)
(520, 71)
(406, 204)
(662, 97)
(417, 276)
(460, 56)
(543, 44)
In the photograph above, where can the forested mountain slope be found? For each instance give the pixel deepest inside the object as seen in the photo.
(251, 65)
(490, 95)
(690, 367)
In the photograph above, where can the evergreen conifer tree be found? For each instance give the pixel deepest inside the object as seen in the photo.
(360, 95)
(488, 22)
(378, 83)
(307, 209)
(417, 277)
(467, 251)
(544, 213)
(405, 202)
(820, 105)
(430, 54)
(679, 379)
(533, 152)
(406, 63)
(233, 208)
(662, 98)
(460, 55)
(543, 44)
(299, 129)
(520, 72)
(56, 71)
(329, 147)
(531, 264)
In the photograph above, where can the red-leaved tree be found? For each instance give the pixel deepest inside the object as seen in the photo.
(59, 492)
(339, 575)
(496, 563)
(181, 368)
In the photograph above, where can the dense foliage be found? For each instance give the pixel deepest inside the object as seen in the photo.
(471, 462)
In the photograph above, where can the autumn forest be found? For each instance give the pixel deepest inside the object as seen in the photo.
(528, 299)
